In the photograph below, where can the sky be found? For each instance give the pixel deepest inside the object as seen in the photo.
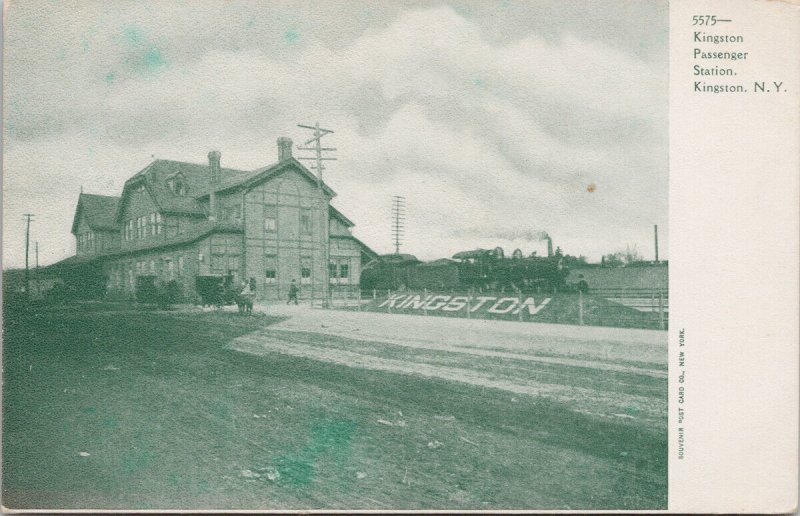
(496, 120)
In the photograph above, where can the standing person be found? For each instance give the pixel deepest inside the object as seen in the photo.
(293, 291)
(245, 299)
(582, 286)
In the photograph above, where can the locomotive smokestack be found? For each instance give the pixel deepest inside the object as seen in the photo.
(549, 246)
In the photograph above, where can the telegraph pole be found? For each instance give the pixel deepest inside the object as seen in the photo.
(36, 276)
(655, 233)
(318, 149)
(398, 220)
(28, 217)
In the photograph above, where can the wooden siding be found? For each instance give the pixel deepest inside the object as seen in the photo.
(286, 247)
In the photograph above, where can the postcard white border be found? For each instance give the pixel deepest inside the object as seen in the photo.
(734, 196)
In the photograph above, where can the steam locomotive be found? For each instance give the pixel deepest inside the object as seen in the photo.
(475, 270)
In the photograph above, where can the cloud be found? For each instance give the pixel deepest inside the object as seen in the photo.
(498, 136)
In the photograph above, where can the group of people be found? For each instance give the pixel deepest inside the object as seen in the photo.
(247, 294)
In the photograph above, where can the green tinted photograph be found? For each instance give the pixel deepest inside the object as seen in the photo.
(292, 256)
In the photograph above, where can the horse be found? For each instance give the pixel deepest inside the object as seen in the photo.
(245, 303)
(244, 300)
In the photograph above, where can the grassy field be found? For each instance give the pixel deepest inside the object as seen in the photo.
(110, 408)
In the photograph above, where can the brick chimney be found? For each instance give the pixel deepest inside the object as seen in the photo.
(215, 172)
(284, 148)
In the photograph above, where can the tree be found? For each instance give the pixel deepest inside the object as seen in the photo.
(632, 255)
(574, 261)
(623, 258)
(613, 260)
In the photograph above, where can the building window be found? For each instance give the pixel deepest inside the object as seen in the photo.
(253, 284)
(141, 226)
(305, 275)
(177, 185)
(86, 241)
(305, 221)
(344, 272)
(270, 225)
(127, 230)
(156, 222)
(332, 272)
(271, 269)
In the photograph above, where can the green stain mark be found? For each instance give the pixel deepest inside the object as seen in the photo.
(291, 35)
(110, 76)
(632, 410)
(222, 412)
(462, 11)
(202, 487)
(136, 460)
(331, 438)
(89, 410)
(144, 56)
(110, 423)
(480, 83)
(132, 35)
(297, 470)
(153, 59)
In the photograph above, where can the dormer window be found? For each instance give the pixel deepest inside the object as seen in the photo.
(86, 241)
(177, 184)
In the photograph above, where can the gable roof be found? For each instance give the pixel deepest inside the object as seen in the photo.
(340, 216)
(99, 211)
(195, 177)
(264, 173)
(197, 180)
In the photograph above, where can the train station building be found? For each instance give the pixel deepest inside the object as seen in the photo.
(175, 221)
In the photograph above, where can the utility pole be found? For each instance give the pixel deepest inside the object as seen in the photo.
(318, 149)
(36, 276)
(398, 221)
(28, 217)
(655, 231)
